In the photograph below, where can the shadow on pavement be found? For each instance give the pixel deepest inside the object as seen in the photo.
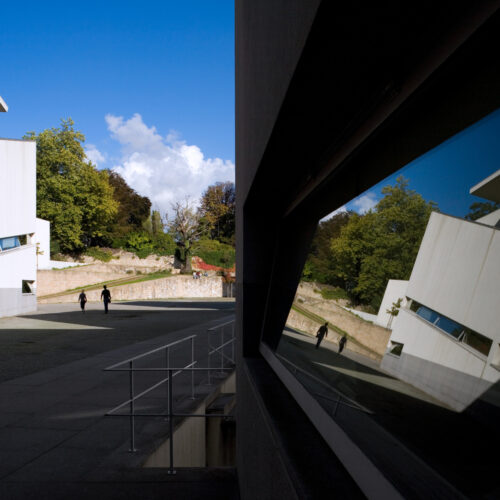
(451, 443)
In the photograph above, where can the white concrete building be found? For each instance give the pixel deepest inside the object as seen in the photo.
(41, 239)
(17, 226)
(395, 290)
(446, 341)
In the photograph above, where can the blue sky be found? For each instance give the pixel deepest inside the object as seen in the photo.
(170, 63)
(446, 173)
(151, 85)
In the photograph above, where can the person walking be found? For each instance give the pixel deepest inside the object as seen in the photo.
(106, 298)
(342, 343)
(322, 332)
(82, 298)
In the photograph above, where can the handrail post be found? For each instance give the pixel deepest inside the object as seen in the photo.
(337, 406)
(192, 365)
(232, 343)
(209, 370)
(171, 423)
(167, 360)
(222, 349)
(132, 422)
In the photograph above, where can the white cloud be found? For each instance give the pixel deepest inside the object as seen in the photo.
(165, 169)
(94, 155)
(365, 202)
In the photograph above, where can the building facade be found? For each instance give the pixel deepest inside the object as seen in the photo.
(331, 98)
(446, 341)
(17, 227)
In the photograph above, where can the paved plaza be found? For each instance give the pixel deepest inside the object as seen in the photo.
(54, 439)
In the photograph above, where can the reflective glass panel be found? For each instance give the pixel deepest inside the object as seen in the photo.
(406, 280)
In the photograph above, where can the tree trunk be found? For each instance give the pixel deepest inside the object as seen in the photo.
(187, 262)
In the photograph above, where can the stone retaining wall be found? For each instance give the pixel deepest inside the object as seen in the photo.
(301, 322)
(54, 281)
(163, 288)
(372, 336)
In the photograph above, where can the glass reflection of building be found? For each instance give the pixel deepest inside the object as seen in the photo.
(446, 341)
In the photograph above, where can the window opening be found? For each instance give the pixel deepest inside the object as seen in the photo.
(27, 286)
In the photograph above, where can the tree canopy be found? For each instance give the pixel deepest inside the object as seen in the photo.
(72, 194)
(381, 244)
(217, 209)
(320, 265)
(133, 208)
(88, 208)
(480, 209)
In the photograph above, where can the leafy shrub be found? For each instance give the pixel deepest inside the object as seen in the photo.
(164, 244)
(215, 253)
(55, 248)
(334, 293)
(140, 243)
(142, 254)
(99, 254)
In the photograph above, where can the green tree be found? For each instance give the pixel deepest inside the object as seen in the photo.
(217, 208)
(186, 227)
(72, 194)
(381, 244)
(393, 311)
(320, 264)
(133, 208)
(480, 209)
(147, 225)
(157, 224)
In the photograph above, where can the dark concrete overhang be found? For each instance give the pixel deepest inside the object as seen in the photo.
(488, 188)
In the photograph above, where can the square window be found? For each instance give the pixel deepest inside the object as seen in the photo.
(396, 348)
(27, 286)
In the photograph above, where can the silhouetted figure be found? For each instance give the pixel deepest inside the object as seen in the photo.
(82, 298)
(322, 332)
(342, 343)
(106, 298)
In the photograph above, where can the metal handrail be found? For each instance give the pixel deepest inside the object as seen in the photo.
(152, 351)
(348, 401)
(220, 348)
(221, 325)
(172, 372)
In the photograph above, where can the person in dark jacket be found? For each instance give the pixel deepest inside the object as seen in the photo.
(342, 343)
(82, 298)
(322, 332)
(106, 298)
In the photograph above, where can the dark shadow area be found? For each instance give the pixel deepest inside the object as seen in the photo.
(324, 355)
(405, 426)
(43, 344)
(188, 304)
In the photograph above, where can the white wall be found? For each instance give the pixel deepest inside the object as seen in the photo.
(490, 219)
(16, 265)
(17, 187)
(17, 217)
(436, 363)
(42, 236)
(457, 273)
(396, 289)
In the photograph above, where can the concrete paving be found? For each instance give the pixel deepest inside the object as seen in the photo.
(54, 439)
(395, 423)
